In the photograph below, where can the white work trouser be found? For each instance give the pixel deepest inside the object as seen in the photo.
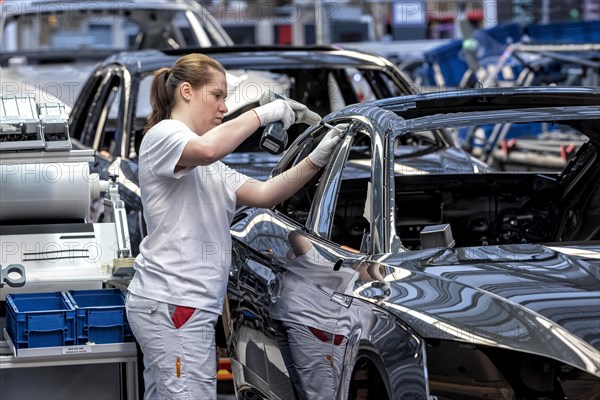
(179, 364)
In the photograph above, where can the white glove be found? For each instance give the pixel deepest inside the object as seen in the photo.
(322, 153)
(278, 110)
(303, 114)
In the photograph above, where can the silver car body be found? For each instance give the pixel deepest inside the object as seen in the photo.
(510, 312)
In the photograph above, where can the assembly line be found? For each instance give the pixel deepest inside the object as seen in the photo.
(188, 215)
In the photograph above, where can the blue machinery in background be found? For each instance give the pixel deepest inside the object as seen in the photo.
(447, 65)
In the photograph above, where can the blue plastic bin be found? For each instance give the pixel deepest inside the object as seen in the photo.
(451, 66)
(565, 32)
(504, 33)
(101, 316)
(40, 320)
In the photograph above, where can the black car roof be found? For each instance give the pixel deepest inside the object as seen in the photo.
(487, 99)
(44, 6)
(582, 102)
(257, 57)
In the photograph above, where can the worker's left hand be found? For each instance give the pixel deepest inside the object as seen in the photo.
(322, 153)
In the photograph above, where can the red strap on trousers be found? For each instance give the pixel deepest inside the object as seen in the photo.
(181, 315)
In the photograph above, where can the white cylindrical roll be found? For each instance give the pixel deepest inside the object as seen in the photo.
(48, 191)
(97, 186)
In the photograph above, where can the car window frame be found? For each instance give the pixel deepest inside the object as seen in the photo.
(211, 30)
(113, 77)
(127, 113)
(85, 102)
(102, 118)
(320, 220)
(93, 109)
(114, 82)
(382, 238)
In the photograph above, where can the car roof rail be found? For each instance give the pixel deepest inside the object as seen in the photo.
(244, 48)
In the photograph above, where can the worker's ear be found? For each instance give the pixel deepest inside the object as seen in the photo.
(185, 90)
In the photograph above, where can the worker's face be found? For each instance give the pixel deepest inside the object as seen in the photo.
(208, 103)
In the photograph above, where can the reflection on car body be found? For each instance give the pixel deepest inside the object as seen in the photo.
(511, 312)
(299, 311)
(311, 302)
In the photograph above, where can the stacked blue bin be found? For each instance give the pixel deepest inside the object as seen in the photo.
(40, 320)
(101, 316)
(76, 317)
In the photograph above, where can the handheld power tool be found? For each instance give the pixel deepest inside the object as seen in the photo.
(274, 138)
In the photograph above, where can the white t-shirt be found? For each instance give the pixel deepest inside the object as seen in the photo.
(186, 256)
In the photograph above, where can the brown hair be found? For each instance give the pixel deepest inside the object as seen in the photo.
(192, 68)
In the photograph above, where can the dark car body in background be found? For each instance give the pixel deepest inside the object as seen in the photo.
(455, 285)
(119, 86)
(110, 113)
(50, 47)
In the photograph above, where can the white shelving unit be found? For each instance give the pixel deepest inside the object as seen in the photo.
(123, 355)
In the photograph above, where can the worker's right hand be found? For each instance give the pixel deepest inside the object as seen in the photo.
(303, 114)
(277, 110)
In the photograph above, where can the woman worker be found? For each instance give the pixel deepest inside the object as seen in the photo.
(189, 198)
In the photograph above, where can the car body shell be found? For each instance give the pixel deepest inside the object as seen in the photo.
(511, 312)
(131, 68)
(111, 111)
(311, 69)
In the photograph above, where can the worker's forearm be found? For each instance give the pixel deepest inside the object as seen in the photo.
(229, 135)
(220, 141)
(284, 185)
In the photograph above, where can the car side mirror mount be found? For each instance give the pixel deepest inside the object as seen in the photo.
(435, 236)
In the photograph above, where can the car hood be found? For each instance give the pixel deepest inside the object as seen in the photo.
(538, 299)
(46, 83)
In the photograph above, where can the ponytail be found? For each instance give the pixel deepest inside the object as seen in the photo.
(162, 97)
